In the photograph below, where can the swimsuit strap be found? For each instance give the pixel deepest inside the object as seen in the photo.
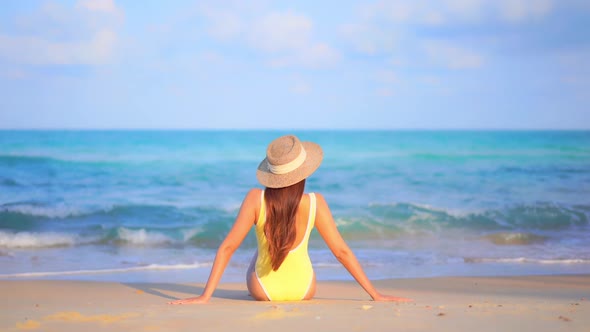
(312, 213)
(262, 212)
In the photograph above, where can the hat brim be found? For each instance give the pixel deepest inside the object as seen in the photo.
(314, 156)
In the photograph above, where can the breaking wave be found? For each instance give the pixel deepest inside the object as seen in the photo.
(36, 240)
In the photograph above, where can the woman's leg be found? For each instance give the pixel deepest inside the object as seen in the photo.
(254, 286)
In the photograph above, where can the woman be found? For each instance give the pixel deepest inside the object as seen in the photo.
(283, 217)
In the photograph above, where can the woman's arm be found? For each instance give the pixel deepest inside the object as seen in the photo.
(329, 232)
(234, 238)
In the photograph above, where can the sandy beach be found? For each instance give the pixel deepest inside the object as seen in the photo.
(536, 303)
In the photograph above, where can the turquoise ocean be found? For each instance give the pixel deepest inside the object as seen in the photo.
(154, 205)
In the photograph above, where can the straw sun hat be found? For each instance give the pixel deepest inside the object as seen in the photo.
(288, 161)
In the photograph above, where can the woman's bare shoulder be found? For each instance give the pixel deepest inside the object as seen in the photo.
(320, 200)
(254, 191)
(318, 195)
(323, 212)
(253, 196)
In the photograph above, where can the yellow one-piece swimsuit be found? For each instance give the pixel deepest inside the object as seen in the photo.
(292, 280)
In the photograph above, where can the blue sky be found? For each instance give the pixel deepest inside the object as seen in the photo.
(461, 64)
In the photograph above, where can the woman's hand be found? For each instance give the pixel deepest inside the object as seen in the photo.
(388, 298)
(191, 300)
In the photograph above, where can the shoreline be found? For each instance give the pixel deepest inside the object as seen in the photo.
(538, 302)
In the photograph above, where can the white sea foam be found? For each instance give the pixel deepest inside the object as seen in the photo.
(151, 267)
(427, 208)
(189, 233)
(142, 237)
(36, 240)
(506, 238)
(521, 260)
(59, 211)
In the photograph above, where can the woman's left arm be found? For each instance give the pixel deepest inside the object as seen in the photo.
(234, 238)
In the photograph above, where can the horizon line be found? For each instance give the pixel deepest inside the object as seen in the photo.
(285, 129)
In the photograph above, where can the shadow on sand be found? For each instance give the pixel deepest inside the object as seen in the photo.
(158, 289)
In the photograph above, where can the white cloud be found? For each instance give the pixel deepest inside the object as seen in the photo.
(430, 79)
(386, 76)
(223, 24)
(575, 69)
(313, 56)
(426, 12)
(319, 54)
(281, 31)
(520, 10)
(300, 86)
(436, 12)
(575, 59)
(464, 9)
(100, 48)
(400, 11)
(368, 39)
(384, 92)
(39, 51)
(286, 38)
(14, 74)
(387, 27)
(452, 56)
(93, 44)
(107, 6)
(386, 80)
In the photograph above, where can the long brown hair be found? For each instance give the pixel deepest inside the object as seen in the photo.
(281, 208)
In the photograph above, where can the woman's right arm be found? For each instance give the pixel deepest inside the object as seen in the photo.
(327, 228)
(242, 225)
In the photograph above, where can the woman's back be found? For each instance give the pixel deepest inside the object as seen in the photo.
(293, 279)
(302, 216)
